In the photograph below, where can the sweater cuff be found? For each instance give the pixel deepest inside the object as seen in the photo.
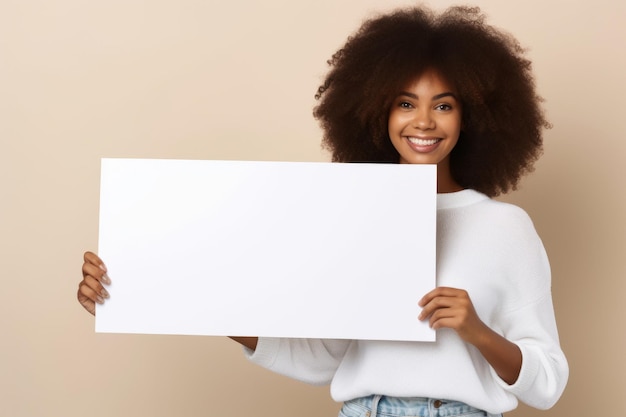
(265, 352)
(527, 375)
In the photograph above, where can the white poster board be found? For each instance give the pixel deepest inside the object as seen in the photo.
(282, 249)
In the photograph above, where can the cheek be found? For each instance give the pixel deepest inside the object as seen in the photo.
(452, 126)
(395, 123)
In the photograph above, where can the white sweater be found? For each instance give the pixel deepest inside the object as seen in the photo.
(491, 250)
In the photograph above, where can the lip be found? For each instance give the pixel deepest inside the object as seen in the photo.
(423, 144)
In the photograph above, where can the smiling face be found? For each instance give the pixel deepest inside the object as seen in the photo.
(424, 125)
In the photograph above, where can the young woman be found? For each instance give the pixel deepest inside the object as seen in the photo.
(420, 88)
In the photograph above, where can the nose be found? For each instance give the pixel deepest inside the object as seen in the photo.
(423, 120)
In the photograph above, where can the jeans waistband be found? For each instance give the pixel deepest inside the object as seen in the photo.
(384, 406)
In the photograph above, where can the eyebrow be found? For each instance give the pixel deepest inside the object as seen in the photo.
(435, 97)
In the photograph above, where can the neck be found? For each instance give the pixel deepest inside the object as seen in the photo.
(448, 188)
(445, 182)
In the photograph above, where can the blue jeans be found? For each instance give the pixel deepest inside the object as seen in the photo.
(382, 406)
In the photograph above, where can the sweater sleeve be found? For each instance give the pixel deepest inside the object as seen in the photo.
(544, 371)
(531, 324)
(313, 361)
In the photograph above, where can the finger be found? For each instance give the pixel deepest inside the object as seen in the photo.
(89, 305)
(93, 259)
(467, 327)
(92, 289)
(444, 322)
(93, 271)
(90, 270)
(88, 298)
(94, 267)
(440, 292)
(436, 304)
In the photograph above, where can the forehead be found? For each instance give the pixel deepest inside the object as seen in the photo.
(429, 81)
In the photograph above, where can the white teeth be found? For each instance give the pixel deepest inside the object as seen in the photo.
(423, 142)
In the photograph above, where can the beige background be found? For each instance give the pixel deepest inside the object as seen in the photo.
(81, 80)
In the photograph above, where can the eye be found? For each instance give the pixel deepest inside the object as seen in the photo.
(405, 105)
(443, 107)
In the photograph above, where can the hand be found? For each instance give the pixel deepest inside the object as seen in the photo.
(452, 308)
(91, 289)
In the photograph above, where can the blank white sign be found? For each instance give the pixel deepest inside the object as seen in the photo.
(281, 249)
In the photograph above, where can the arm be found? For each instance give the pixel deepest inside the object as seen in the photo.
(91, 291)
(248, 342)
(452, 308)
(505, 357)
(313, 361)
(533, 368)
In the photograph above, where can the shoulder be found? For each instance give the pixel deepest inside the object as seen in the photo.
(508, 213)
(507, 234)
(474, 216)
(511, 224)
(478, 207)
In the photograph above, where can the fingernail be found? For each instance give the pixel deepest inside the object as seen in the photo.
(99, 300)
(104, 293)
(106, 279)
(103, 267)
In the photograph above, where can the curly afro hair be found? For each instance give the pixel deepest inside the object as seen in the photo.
(502, 120)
